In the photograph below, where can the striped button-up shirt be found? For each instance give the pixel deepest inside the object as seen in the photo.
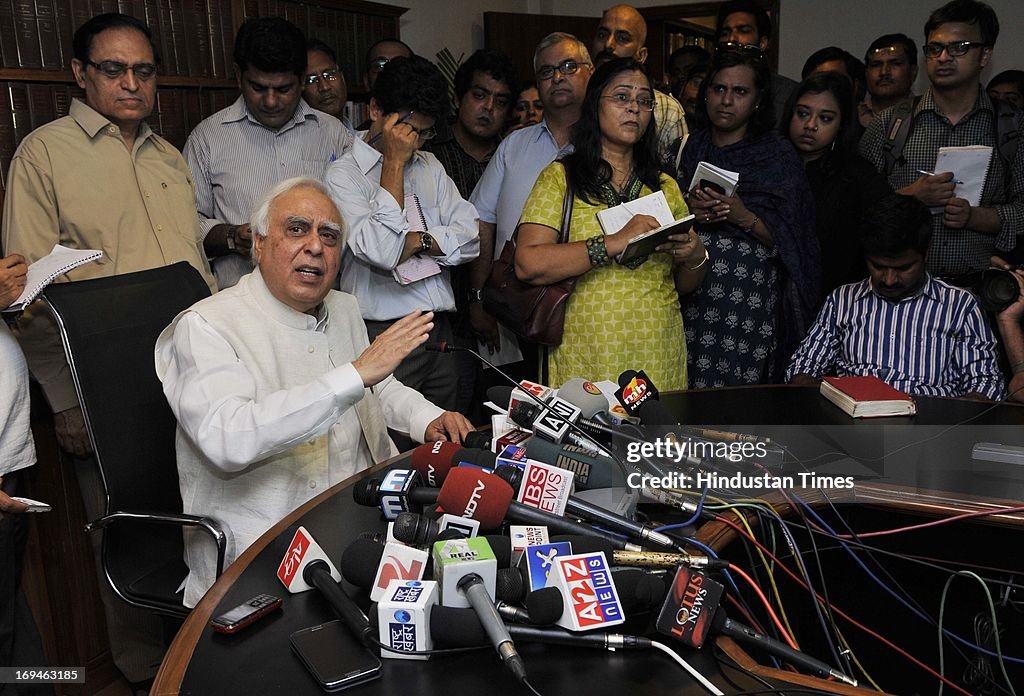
(935, 343)
(235, 160)
(955, 251)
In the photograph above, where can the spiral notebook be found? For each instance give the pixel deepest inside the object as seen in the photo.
(418, 266)
(47, 269)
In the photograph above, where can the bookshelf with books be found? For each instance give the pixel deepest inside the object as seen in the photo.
(195, 39)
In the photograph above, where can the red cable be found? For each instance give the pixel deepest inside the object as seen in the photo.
(933, 523)
(838, 611)
(767, 604)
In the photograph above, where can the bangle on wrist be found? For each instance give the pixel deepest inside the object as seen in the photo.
(753, 223)
(475, 295)
(229, 238)
(597, 251)
(702, 261)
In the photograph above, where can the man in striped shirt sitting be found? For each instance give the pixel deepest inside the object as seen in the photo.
(912, 331)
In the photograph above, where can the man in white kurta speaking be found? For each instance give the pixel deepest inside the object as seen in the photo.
(277, 391)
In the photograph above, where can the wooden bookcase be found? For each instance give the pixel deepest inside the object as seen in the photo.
(196, 40)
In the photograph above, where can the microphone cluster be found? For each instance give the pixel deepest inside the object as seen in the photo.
(497, 547)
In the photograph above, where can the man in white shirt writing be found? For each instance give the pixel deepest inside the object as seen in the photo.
(277, 391)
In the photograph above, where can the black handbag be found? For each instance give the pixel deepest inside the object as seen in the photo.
(533, 312)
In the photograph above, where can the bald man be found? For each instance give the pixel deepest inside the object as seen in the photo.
(622, 34)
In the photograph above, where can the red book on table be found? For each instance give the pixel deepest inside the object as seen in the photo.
(867, 397)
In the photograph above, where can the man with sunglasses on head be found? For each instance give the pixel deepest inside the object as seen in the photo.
(745, 25)
(99, 178)
(324, 85)
(562, 66)
(955, 110)
(268, 135)
(407, 223)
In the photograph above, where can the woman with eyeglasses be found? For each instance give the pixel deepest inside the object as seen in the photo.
(821, 123)
(618, 317)
(763, 286)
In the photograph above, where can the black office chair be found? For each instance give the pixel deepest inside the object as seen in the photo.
(109, 327)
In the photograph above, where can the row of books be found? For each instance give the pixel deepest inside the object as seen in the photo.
(195, 38)
(25, 106)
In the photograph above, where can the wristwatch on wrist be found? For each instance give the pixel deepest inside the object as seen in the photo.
(426, 241)
(230, 238)
(475, 295)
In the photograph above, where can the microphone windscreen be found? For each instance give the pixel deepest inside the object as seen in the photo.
(433, 460)
(364, 492)
(587, 544)
(500, 396)
(544, 606)
(626, 377)
(470, 492)
(638, 589)
(456, 628)
(501, 545)
(414, 529)
(523, 414)
(509, 585)
(477, 439)
(653, 412)
(360, 560)
(480, 457)
(584, 396)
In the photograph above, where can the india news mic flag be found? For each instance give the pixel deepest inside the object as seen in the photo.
(301, 552)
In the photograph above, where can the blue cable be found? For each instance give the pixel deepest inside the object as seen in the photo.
(884, 586)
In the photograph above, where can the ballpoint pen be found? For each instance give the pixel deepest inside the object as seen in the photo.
(925, 172)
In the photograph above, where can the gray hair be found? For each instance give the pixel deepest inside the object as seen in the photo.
(558, 37)
(259, 223)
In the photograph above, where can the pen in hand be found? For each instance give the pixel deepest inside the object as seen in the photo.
(925, 172)
(377, 137)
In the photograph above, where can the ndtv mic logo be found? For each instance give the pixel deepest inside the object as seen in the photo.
(474, 499)
(293, 559)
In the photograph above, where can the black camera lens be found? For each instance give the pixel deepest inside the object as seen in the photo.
(998, 290)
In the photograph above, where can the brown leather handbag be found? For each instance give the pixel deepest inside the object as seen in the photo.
(533, 312)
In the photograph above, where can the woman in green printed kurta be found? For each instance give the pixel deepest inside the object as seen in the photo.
(618, 318)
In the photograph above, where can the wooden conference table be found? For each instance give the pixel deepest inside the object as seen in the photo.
(259, 659)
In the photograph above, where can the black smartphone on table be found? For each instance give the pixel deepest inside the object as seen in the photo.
(334, 656)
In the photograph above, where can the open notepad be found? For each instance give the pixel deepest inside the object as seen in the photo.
(654, 204)
(47, 269)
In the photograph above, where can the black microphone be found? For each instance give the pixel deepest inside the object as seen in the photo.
(458, 628)
(472, 585)
(745, 634)
(318, 574)
(368, 492)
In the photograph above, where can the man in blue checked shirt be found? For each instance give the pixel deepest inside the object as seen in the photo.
(912, 331)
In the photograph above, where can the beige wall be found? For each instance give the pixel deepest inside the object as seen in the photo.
(806, 25)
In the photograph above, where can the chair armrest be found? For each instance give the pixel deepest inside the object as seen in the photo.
(207, 524)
